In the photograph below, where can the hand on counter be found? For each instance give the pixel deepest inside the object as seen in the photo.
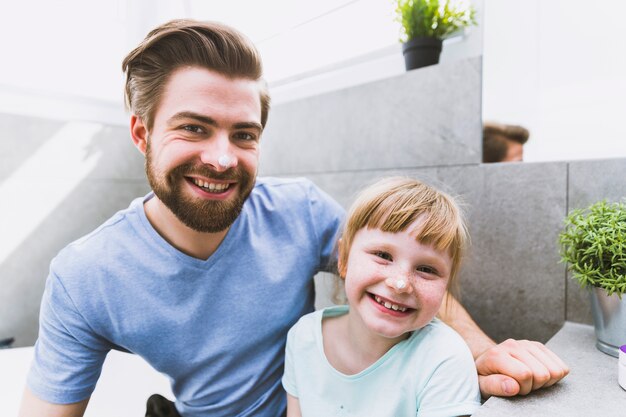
(517, 367)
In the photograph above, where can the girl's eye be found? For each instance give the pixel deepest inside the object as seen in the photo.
(383, 255)
(193, 129)
(427, 269)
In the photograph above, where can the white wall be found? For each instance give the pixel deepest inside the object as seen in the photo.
(558, 67)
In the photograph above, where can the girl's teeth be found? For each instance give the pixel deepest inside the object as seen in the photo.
(388, 305)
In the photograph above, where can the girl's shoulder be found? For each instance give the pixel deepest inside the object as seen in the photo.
(309, 327)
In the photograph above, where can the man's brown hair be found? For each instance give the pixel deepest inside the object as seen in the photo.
(495, 136)
(186, 42)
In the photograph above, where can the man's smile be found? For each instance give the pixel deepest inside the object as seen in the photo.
(211, 187)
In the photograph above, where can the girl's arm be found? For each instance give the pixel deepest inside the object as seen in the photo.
(510, 368)
(293, 407)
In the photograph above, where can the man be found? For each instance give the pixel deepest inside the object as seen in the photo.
(204, 276)
(503, 143)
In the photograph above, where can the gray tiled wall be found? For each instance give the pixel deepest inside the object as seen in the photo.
(428, 117)
(109, 186)
(513, 285)
(20, 137)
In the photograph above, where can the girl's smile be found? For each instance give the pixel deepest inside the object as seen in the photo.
(391, 307)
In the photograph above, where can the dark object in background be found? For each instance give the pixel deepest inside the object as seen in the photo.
(421, 52)
(503, 143)
(159, 406)
(6, 343)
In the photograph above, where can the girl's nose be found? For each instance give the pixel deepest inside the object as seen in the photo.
(399, 285)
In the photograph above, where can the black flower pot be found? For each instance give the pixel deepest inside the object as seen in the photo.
(421, 52)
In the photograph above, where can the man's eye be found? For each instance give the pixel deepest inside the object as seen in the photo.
(383, 255)
(193, 129)
(244, 136)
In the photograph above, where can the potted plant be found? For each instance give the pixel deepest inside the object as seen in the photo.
(593, 243)
(425, 24)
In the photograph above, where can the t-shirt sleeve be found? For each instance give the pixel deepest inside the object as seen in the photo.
(289, 378)
(327, 216)
(453, 387)
(68, 356)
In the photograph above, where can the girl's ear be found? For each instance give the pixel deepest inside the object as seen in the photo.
(340, 263)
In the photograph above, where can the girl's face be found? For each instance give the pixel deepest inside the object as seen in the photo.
(376, 262)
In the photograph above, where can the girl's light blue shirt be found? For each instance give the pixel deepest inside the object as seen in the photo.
(430, 374)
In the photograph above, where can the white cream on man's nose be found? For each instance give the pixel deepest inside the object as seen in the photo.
(226, 161)
(217, 153)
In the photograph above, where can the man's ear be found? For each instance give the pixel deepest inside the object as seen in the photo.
(139, 133)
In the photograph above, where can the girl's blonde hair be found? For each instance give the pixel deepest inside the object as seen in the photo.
(393, 204)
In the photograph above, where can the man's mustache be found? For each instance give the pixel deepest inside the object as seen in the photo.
(206, 171)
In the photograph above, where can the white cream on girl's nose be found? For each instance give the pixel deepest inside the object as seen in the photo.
(398, 284)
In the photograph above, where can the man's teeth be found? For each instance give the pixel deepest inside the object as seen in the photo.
(211, 186)
(389, 305)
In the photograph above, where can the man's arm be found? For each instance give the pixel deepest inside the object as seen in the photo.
(33, 406)
(510, 368)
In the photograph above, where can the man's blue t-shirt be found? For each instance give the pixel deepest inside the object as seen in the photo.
(216, 327)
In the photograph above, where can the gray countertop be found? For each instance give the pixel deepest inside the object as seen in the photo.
(591, 388)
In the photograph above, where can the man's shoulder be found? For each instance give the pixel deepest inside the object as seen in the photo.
(283, 186)
(105, 239)
(296, 192)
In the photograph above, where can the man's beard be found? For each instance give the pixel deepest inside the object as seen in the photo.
(207, 216)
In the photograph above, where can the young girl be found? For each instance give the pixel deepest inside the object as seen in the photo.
(385, 353)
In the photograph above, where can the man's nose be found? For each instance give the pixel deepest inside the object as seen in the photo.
(218, 153)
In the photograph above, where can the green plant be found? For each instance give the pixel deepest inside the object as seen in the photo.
(432, 18)
(593, 243)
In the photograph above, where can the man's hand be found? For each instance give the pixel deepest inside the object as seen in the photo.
(514, 367)
(517, 367)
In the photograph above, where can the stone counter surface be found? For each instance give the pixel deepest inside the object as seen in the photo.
(591, 388)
